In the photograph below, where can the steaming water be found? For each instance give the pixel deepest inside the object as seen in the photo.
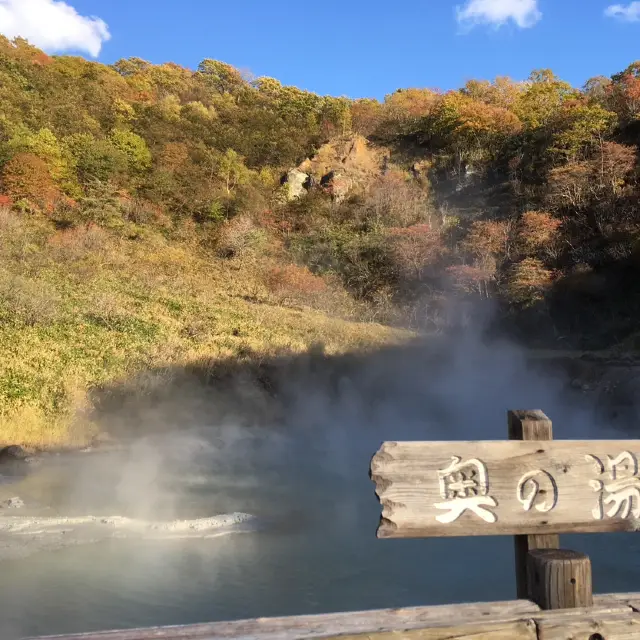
(316, 553)
(308, 484)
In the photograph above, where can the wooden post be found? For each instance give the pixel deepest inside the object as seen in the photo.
(559, 579)
(529, 425)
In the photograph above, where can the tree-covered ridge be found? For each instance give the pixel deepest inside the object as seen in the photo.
(182, 138)
(135, 144)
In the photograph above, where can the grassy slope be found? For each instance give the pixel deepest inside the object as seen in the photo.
(83, 308)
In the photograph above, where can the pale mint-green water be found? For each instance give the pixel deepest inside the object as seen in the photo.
(317, 551)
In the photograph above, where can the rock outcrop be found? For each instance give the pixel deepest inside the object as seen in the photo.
(344, 165)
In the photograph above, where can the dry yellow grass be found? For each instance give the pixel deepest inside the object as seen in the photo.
(81, 309)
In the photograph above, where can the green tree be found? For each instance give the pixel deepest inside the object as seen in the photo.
(543, 98)
(221, 77)
(96, 159)
(578, 127)
(134, 148)
(42, 143)
(336, 116)
(232, 170)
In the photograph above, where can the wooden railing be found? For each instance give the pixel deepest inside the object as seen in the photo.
(531, 487)
(612, 617)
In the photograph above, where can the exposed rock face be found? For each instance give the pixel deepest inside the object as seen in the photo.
(337, 185)
(296, 182)
(344, 165)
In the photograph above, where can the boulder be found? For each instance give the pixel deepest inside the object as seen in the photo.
(14, 462)
(296, 183)
(13, 453)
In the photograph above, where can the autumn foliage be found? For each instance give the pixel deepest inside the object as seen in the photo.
(528, 281)
(293, 281)
(498, 189)
(26, 177)
(538, 231)
(415, 249)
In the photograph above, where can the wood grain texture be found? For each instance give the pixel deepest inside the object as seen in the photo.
(631, 600)
(559, 579)
(510, 630)
(481, 620)
(327, 625)
(621, 626)
(529, 426)
(531, 487)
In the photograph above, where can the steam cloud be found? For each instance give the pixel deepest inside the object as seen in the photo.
(291, 443)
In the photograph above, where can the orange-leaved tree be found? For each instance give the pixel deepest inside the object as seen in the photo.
(414, 249)
(528, 281)
(26, 177)
(538, 233)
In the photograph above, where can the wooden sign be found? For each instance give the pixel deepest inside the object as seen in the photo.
(434, 489)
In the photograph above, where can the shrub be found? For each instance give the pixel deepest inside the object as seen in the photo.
(238, 236)
(527, 282)
(293, 283)
(538, 232)
(396, 201)
(26, 301)
(415, 248)
(74, 244)
(140, 211)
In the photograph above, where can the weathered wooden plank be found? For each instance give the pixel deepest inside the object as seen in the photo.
(568, 624)
(621, 626)
(580, 612)
(622, 598)
(327, 625)
(531, 426)
(513, 630)
(450, 621)
(631, 599)
(479, 488)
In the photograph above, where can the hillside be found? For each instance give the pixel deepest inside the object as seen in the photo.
(153, 215)
(84, 308)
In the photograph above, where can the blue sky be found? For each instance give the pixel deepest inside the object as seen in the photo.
(348, 47)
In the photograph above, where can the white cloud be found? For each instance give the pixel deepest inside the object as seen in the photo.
(524, 13)
(629, 13)
(52, 25)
